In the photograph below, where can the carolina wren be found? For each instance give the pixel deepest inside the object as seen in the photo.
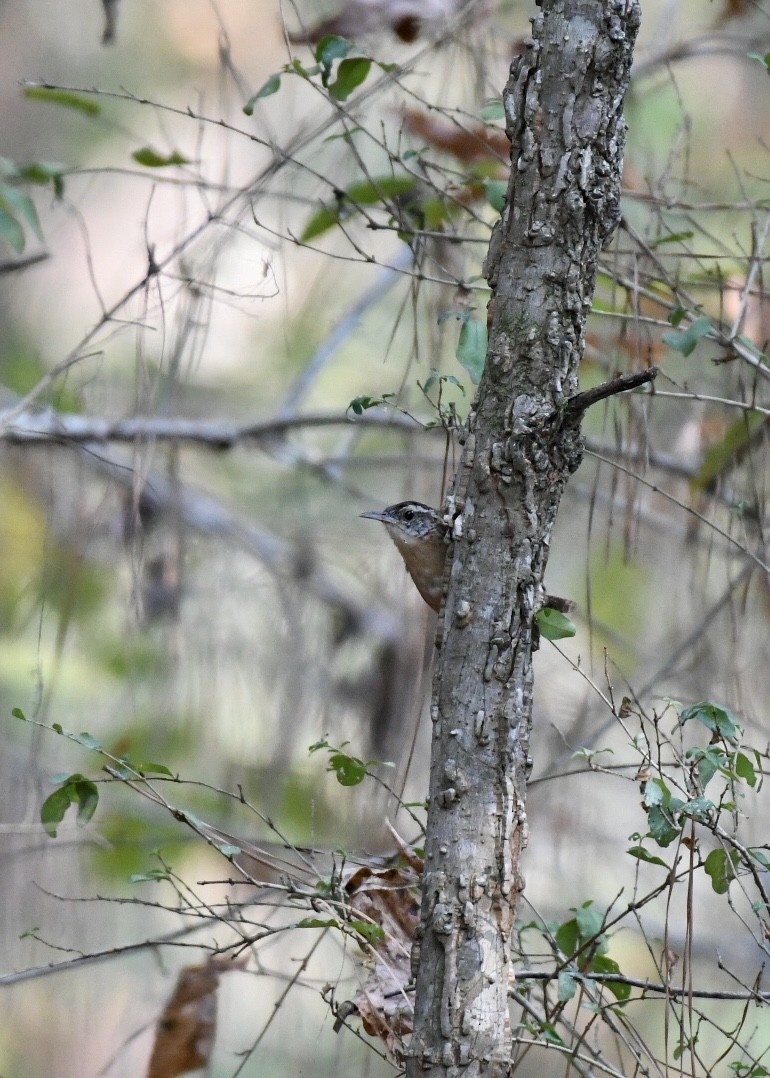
(421, 534)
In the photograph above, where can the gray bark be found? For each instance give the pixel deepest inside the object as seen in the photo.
(563, 104)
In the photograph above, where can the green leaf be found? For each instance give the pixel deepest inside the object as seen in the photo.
(370, 192)
(66, 98)
(495, 191)
(567, 937)
(676, 316)
(350, 771)
(11, 231)
(331, 48)
(603, 964)
(371, 933)
(672, 237)
(18, 714)
(87, 798)
(567, 985)
(227, 849)
(699, 808)
(359, 405)
(662, 827)
(589, 921)
(360, 193)
(656, 792)
(87, 740)
(152, 159)
(554, 625)
(472, 347)
(42, 172)
(686, 341)
(21, 204)
(350, 74)
(720, 868)
(54, 808)
(153, 875)
(153, 769)
(744, 769)
(644, 855)
(493, 110)
(729, 449)
(269, 88)
(318, 922)
(714, 717)
(75, 790)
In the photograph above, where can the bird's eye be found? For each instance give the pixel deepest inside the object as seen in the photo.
(409, 514)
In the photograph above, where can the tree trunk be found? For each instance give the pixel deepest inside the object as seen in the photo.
(563, 105)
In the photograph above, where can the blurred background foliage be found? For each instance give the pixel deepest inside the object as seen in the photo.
(177, 285)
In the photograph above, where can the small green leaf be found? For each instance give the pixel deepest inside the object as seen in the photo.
(472, 348)
(493, 110)
(360, 193)
(729, 449)
(602, 964)
(567, 937)
(350, 771)
(371, 933)
(744, 769)
(331, 48)
(153, 875)
(360, 404)
(152, 159)
(589, 921)
(350, 74)
(699, 808)
(656, 792)
(720, 868)
(661, 825)
(269, 88)
(75, 790)
(686, 341)
(672, 237)
(554, 625)
(66, 98)
(567, 985)
(42, 172)
(495, 191)
(87, 740)
(643, 854)
(714, 717)
(318, 922)
(11, 231)
(54, 808)
(227, 849)
(676, 316)
(321, 222)
(18, 714)
(87, 797)
(153, 769)
(21, 204)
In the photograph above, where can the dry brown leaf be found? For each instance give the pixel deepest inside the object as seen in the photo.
(186, 1029)
(407, 19)
(388, 897)
(474, 143)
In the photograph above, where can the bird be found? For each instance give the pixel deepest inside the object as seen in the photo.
(421, 535)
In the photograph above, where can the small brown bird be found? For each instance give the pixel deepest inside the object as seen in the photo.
(420, 534)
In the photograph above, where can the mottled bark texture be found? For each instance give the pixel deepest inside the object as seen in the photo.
(563, 105)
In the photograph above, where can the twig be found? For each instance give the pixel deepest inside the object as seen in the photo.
(576, 406)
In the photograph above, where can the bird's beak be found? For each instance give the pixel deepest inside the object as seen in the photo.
(373, 514)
